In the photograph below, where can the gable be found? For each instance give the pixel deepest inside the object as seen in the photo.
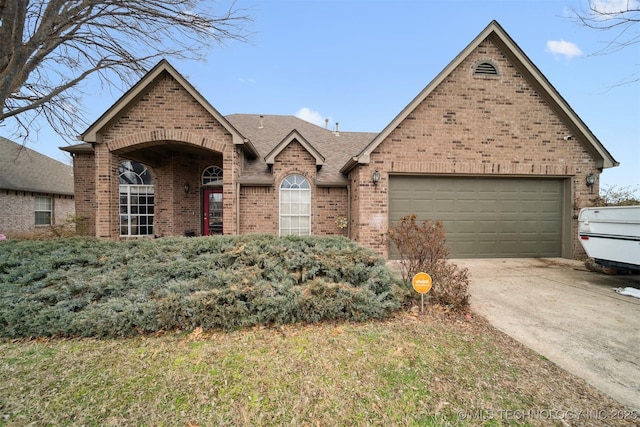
(272, 133)
(163, 71)
(294, 136)
(498, 122)
(162, 104)
(518, 62)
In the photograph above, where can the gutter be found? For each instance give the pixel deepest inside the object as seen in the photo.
(352, 163)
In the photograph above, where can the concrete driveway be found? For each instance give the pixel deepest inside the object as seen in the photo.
(566, 313)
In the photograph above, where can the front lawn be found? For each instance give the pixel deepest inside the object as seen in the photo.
(408, 370)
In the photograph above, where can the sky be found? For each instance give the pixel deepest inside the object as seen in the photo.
(360, 62)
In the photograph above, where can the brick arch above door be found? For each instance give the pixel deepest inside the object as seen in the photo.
(160, 135)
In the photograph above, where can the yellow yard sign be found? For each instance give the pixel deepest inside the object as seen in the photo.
(422, 283)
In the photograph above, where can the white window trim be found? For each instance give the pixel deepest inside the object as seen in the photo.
(281, 215)
(36, 210)
(126, 189)
(212, 182)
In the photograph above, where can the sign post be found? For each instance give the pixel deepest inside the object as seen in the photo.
(422, 285)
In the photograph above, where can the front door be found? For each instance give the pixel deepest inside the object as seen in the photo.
(212, 211)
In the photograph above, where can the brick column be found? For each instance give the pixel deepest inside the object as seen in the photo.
(106, 198)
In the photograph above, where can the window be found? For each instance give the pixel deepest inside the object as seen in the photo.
(295, 206)
(43, 210)
(212, 176)
(136, 199)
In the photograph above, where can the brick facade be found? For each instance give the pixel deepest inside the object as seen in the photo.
(509, 124)
(473, 125)
(177, 139)
(260, 205)
(17, 211)
(85, 192)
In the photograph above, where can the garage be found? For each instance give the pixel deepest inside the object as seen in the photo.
(486, 217)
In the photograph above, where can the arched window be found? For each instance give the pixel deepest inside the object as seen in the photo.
(136, 199)
(295, 206)
(212, 176)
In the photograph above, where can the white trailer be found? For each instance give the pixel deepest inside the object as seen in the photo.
(611, 235)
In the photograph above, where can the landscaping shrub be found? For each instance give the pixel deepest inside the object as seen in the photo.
(613, 195)
(421, 247)
(450, 285)
(88, 287)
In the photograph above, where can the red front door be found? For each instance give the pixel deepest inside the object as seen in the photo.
(212, 211)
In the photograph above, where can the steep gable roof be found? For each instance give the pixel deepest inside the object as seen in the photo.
(23, 169)
(90, 135)
(294, 135)
(528, 69)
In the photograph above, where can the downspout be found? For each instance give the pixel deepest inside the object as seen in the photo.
(240, 155)
(349, 210)
(237, 208)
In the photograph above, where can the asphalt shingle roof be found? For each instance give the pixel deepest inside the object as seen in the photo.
(23, 169)
(267, 131)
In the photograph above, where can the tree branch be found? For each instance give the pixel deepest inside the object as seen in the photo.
(47, 47)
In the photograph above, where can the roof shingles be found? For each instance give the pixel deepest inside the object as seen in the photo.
(267, 131)
(23, 169)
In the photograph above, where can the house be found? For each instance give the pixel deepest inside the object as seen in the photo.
(489, 147)
(36, 191)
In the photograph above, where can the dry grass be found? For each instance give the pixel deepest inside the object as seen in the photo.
(408, 370)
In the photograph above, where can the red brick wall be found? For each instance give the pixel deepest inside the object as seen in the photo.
(471, 125)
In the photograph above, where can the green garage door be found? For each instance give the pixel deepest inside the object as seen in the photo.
(485, 217)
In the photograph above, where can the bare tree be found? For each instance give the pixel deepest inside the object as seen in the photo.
(48, 47)
(617, 16)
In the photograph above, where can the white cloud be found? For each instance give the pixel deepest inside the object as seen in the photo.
(563, 48)
(311, 116)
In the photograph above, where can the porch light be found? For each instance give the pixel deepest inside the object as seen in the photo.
(591, 180)
(376, 177)
(187, 187)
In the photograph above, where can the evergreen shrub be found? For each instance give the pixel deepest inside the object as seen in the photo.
(94, 288)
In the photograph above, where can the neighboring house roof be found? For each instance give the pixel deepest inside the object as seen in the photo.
(271, 134)
(90, 135)
(23, 169)
(497, 34)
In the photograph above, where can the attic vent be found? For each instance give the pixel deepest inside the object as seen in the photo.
(485, 69)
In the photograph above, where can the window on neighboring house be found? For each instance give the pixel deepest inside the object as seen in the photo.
(136, 199)
(212, 176)
(43, 210)
(295, 206)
